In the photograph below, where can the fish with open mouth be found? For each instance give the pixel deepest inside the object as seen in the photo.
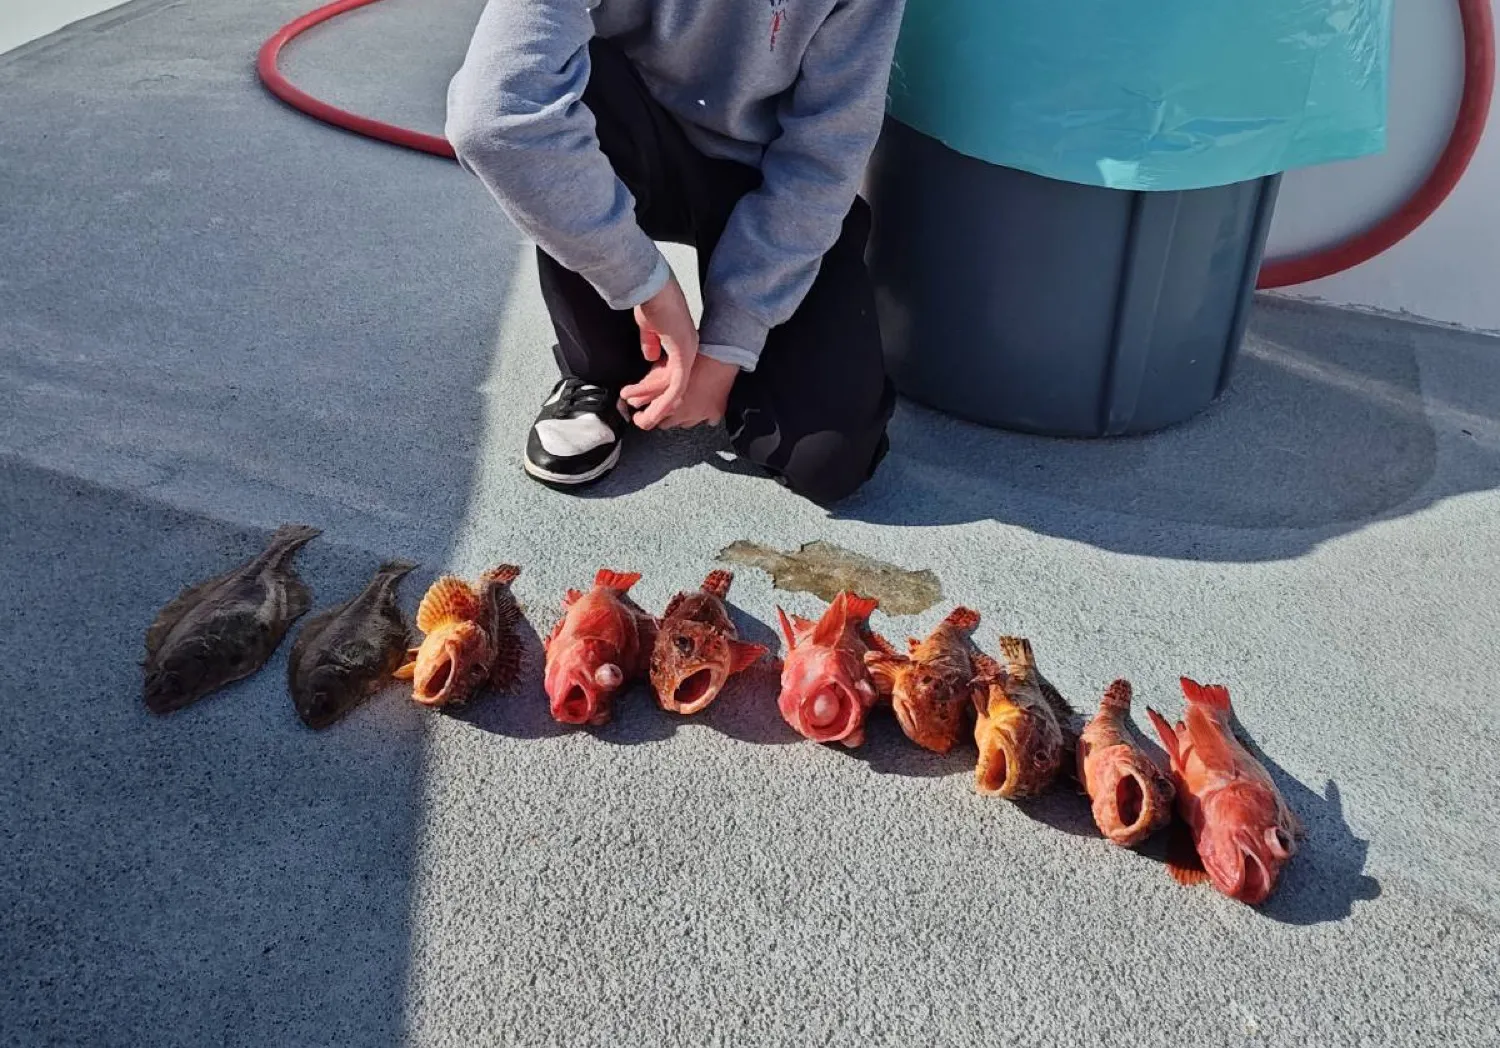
(1021, 727)
(697, 648)
(347, 653)
(825, 687)
(1131, 794)
(930, 688)
(226, 628)
(602, 643)
(470, 639)
(1242, 828)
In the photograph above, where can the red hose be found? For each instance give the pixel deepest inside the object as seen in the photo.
(1468, 129)
(295, 97)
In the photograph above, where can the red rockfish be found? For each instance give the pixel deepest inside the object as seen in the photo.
(602, 643)
(1131, 794)
(930, 688)
(697, 648)
(825, 687)
(1242, 827)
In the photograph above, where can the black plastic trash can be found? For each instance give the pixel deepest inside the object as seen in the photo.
(1027, 303)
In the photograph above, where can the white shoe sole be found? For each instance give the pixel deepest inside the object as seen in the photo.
(573, 478)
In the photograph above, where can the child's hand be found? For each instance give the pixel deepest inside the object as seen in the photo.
(666, 323)
(707, 395)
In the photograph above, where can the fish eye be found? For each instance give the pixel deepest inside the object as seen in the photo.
(684, 644)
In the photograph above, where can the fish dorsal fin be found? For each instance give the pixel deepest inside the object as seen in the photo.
(743, 655)
(673, 605)
(965, 620)
(1061, 707)
(449, 599)
(832, 624)
(619, 581)
(912, 644)
(1167, 734)
(786, 629)
(882, 645)
(718, 583)
(859, 609)
(1019, 660)
(503, 620)
(1214, 696)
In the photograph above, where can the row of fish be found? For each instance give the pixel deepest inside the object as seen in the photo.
(1235, 828)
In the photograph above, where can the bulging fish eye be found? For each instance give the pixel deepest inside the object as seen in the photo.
(684, 644)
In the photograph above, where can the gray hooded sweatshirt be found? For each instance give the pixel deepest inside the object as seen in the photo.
(796, 88)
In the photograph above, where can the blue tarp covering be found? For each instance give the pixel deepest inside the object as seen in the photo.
(1147, 95)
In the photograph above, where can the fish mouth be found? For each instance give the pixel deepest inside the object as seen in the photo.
(829, 713)
(1255, 878)
(695, 691)
(575, 706)
(1130, 801)
(432, 689)
(993, 771)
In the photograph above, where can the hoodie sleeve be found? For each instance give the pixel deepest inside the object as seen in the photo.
(517, 121)
(777, 235)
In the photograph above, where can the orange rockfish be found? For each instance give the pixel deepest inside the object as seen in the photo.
(1131, 794)
(1020, 730)
(602, 642)
(825, 688)
(470, 639)
(1242, 827)
(697, 648)
(930, 688)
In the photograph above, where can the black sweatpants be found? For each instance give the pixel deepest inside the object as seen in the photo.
(814, 411)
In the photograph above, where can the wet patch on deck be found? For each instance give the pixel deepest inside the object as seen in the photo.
(824, 570)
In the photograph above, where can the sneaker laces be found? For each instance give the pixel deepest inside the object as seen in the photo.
(581, 397)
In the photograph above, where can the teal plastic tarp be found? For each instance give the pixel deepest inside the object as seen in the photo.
(1150, 94)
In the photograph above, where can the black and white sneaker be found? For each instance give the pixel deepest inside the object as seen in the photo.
(576, 437)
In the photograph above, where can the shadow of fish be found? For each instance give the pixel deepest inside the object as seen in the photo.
(347, 653)
(225, 628)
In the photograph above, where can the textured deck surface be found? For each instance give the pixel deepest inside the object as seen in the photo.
(216, 315)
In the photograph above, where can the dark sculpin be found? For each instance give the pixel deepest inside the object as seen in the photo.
(346, 654)
(227, 627)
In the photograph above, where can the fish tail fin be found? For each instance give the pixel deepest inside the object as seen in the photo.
(285, 541)
(1214, 696)
(1117, 698)
(965, 620)
(448, 599)
(1017, 654)
(718, 583)
(619, 581)
(504, 574)
(786, 629)
(858, 608)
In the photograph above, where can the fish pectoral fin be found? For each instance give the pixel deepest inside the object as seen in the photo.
(884, 669)
(743, 655)
(1168, 736)
(572, 597)
(1183, 862)
(408, 669)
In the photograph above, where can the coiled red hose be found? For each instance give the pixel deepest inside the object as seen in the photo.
(1468, 129)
